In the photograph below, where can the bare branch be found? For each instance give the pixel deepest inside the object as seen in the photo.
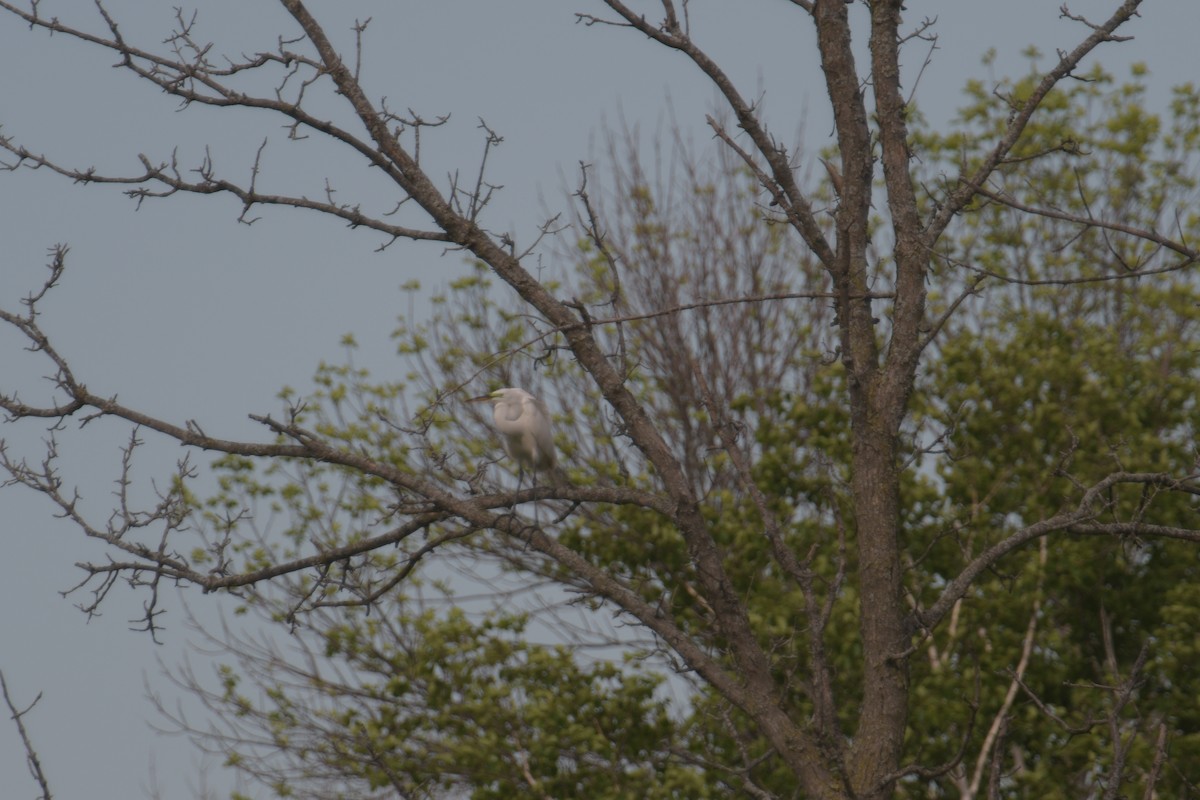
(168, 175)
(783, 182)
(1123, 275)
(970, 185)
(31, 757)
(591, 226)
(1160, 757)
(821, 679)
(1081, 519)
(1089, 221)
(989, 750)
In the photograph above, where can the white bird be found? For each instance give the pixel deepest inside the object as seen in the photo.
(524, 425)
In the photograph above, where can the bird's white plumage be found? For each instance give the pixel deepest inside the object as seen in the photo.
(524, 425)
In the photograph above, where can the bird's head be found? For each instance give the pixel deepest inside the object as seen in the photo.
(505, 395)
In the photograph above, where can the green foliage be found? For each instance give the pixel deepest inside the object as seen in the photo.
(444, 703)
(431, 702)
(1038, 408)
(1041, 391)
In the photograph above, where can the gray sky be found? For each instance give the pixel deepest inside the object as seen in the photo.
(190, 315)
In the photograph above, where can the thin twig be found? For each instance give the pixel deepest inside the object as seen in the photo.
(31, 756)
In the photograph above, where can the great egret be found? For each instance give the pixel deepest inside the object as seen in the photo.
(524, 425)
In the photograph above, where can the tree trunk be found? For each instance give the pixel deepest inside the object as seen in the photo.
(876, 486)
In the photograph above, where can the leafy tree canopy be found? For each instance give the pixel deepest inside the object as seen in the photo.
(874, 484)
(1035, 393)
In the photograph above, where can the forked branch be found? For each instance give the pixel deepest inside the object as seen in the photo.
(969, 185)
(1082, 519)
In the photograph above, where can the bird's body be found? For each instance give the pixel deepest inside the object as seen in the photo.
(524, 425)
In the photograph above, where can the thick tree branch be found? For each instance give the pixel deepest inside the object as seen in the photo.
(720, 592)
(909, 252)
(305, 445)
(782, 185)
(384, 150)
(188, 82)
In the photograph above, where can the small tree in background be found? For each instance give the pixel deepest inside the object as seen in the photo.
(894, 472)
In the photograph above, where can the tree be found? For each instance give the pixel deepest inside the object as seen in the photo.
(813, 436)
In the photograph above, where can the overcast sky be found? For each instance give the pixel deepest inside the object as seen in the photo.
(188, 314)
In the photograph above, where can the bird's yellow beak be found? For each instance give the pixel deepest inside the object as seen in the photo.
(482, 398)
